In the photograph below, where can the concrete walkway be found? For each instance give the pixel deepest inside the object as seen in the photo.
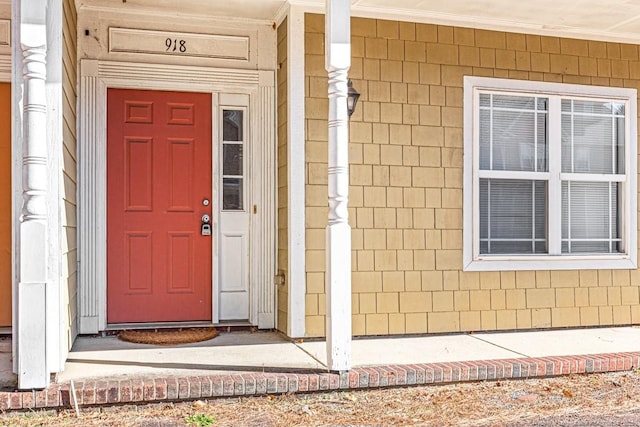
(105, 370)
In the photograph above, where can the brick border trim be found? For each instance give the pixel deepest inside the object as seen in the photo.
(146, 390)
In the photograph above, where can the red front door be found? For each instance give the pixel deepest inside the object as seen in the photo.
(158, 177)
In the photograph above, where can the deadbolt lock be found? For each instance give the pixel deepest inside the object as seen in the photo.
(205, 228)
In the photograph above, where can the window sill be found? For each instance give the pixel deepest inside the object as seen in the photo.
(589, 262)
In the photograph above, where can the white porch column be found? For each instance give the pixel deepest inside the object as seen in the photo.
(30, 75)
(338, 276)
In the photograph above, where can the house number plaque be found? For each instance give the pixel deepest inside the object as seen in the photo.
(214, 46)
(178, 45)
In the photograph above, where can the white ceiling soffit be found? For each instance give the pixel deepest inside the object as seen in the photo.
(262, 10)
(611, 20)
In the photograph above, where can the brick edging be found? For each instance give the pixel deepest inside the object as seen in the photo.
(144, 390)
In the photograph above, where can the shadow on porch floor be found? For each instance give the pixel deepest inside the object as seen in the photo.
(108, 357)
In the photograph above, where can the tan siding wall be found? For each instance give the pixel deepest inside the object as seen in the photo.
(69, 165)
(283, 252)
(406, 182)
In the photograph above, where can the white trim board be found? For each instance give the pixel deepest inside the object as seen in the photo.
(95, 78)
(162, 13)
(297, 280)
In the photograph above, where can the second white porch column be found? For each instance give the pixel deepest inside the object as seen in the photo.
(338, 276)
(30, 70)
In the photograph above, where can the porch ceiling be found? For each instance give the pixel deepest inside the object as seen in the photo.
(239, 9)
(614, 20)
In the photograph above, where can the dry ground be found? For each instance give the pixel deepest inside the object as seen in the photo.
(576, 401)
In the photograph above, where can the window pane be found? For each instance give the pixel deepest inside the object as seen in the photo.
(232, 159)
(513, 141)
(592, 137)
(590, 217)
(619, 133)
(512, 216)
(232, 125)
(513, 133)
(592, 107)
(485, 140)
(232, 194)
(514, 102)
(542, 143)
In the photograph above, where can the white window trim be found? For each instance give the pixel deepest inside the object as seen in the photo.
(472, 261)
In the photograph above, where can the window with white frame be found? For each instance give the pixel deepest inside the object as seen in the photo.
(549, 176)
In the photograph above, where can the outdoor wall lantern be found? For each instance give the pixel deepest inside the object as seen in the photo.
(352, 98)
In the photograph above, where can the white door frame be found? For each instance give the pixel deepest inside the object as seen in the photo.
(96, 77)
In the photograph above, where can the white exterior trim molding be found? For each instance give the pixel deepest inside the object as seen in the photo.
(296, 165)
(263, 228)
(472, 260)
(96, 77)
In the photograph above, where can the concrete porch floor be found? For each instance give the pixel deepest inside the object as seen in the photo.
(111, 358)
(106, 370)
(108, 358)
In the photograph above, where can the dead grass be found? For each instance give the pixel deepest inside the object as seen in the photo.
(475, 404)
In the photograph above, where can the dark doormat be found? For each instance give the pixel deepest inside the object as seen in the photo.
(168, 336)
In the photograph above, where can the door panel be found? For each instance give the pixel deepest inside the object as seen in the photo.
(158, 173)
(5, 204)
(181, 263)
(138, 174)
(181, 174)
(234, 290)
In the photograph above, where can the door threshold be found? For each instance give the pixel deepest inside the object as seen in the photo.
(5, 330)
(157, 325)
(177, 325)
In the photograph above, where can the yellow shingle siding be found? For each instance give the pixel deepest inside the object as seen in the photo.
(405, 202)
